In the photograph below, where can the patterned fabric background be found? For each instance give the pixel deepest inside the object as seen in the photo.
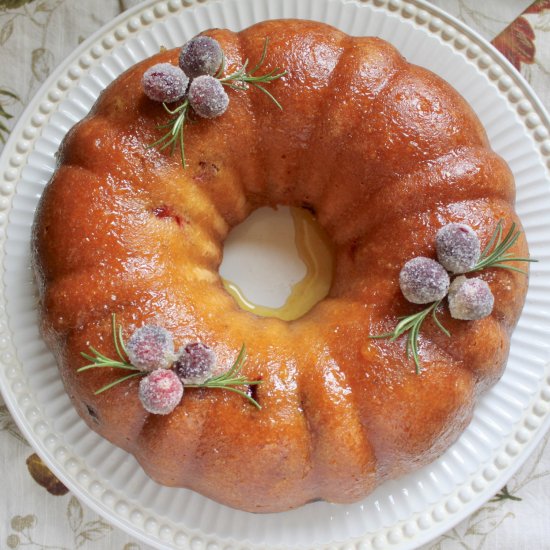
(38, 511)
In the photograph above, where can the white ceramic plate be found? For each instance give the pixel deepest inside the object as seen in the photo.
(508, 422)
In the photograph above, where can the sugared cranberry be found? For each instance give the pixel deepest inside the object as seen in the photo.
(202, 55)
(164, 82)
(160, 392)
(458, 247)
(470, 299)
(207, 97)
(150, 347)
(423, 280)
(195, 363)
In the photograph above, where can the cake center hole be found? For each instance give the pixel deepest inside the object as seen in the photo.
(277, 263)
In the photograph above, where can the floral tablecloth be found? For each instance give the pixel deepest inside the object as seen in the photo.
(38, 512)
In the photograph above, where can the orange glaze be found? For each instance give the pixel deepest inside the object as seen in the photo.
(384, 153)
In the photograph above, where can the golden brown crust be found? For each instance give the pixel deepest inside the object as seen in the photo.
(385, 153)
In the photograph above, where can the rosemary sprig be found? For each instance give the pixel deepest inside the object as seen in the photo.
(412, 324)
(231, 378)
(225, 381)
(176, 131)
(496, 254)
(98, 360)
(238, 80)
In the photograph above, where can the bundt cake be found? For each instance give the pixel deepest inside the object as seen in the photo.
(385, 154)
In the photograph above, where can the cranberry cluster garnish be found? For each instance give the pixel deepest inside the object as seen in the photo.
(427, 281)
(198, 83)
(149, 354)
(199, 59)
(423, 280)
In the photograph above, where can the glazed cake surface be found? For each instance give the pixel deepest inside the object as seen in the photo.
(385, 153)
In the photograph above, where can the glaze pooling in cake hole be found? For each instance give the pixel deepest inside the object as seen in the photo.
(340, 413)
(264, 259)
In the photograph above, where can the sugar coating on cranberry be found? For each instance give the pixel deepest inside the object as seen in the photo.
(470, 299)
(164, 82)
(202, 55)
(207, 97)
(195, 363)
(423, 280)
(458, 247)
(160, 392)
(150, 347)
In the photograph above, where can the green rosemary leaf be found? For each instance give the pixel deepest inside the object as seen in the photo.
(406, 324)
(496, 254)
(251, 382)
(121, 341)
(118, 381)
(228, 388)
(413, 346)
(243, 394)
(182, 148)
(159, 141)
(88, 357)
(98, 360)
(268, 94)
(262, 57)
(438, 323)
(178, 109)
(497, 234)
(162, 126)
(168, 144)
(241, 78)
(108, 364)
(174, 136)
(116, 336)
(98, 355)
(221, 69)
(510, 258)
(381, 336)
(230, 379)
(510, 268)
(238, 364)
(238, 87)
(227, 376)
(411, 325)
